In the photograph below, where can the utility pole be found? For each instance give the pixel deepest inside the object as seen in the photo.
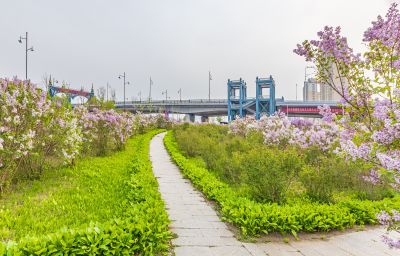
(125, 83)
(151, 83)
(209, 85)
(180, 94)
(140, 96)
(26, 52)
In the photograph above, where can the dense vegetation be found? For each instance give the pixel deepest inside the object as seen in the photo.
(248, 180)
(101, 206)
(269, 173)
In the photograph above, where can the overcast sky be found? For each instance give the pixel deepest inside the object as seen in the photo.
(176, 42)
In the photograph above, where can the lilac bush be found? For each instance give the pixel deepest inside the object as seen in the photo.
(369, 86)
(36, 132)
(104, 130)
(32, 130)
(279, 130)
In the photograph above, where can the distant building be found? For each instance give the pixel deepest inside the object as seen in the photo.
(316, 91)
(311, 90)
(328, 94)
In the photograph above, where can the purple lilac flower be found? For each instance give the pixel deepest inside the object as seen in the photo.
(373, 177)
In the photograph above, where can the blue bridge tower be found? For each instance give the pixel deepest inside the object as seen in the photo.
(240, 105)
(265, 96)
(237, 97)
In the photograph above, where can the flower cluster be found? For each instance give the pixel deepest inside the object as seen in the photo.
(279, 130)
(385, 34)
(330, 43)
(378, 144)
(104, 129)
(392, 220)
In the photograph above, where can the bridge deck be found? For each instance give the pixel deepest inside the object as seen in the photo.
(219, 107)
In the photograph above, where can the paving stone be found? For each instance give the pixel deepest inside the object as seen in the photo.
(254, 249)
(188, 232)
(219, 232)
(323, 248)
(279, 249)
(197, 223)
(206, 241)
(230, 251)
(193, 251)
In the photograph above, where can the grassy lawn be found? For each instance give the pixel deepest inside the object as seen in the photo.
(105, 191)
(67, 197)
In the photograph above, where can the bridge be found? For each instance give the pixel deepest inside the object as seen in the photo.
(219, 107)
(70, 93)
(236, 104)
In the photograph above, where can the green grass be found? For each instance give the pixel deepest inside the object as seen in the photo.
(103, 205)
(67, 197)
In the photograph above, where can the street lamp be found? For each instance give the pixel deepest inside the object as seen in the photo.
(108, 86)
(166, 94)
(26, 52)
(180, 94)
(209, 85)
(125, 83)
(151, 83)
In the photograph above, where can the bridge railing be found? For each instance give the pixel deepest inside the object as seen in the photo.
(306, 103)
(171, 102)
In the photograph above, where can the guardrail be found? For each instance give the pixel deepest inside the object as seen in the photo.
(172, 102)
(279, 102)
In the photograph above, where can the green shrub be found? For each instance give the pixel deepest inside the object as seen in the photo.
(255, 218)
(270, 173)
(326, 176)
(140, 227)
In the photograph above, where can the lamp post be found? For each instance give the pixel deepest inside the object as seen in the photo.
(180, 94)
(209, 85)
(26, 52)
(151, 83)
(108, 86)
(166, 94)
(125, 83)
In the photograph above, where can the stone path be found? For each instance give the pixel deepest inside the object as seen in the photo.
(200, 231)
